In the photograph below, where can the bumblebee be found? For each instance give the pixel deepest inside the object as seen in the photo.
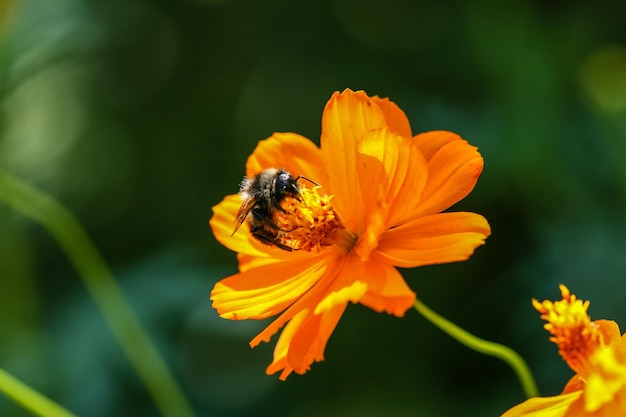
(262, 195)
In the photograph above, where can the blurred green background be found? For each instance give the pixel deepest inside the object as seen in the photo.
(139, 115)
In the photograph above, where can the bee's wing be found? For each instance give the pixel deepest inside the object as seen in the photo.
(243, 212)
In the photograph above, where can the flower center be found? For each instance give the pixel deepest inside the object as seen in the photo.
(309, 222)
(572, 330)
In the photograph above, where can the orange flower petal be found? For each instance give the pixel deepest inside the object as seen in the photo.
(280, 361)
(310, 340)
(302, 325)
(574, 384)
(392, 172)
(223, 225)
(270, 256)
(352, 292)
(346, 119)
(408, 183)
(431, 142)
(392, 176)
(609, 330)
(265, 291)
(453, 169)
(395, 117)
(605, 384)
(345, 283)
(387, 290)
(329, 268)
(303, 341)
(290, 151)
(435, 239)
(375, 162)
(556, 406)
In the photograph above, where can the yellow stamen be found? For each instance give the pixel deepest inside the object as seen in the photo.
(309, 222)
(572, 329)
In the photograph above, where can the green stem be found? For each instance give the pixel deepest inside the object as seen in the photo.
(103, 288)
(505, 353)
(29, 398)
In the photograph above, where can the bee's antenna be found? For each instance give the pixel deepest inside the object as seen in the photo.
(306, 178)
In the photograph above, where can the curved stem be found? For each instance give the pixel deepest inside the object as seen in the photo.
(508, 355)
(29, 398)
(103, 288)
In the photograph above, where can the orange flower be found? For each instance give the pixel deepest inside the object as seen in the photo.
(378, 206)
(594, 350)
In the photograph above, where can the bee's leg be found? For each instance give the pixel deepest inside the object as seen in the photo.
(277, 205)
(282, 246)
(268, 240)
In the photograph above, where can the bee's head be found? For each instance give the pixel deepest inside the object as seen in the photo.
(286, 185)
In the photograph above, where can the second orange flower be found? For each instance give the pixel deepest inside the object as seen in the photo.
(378, 206)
